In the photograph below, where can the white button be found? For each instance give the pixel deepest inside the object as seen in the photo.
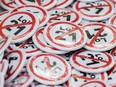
(49, 69)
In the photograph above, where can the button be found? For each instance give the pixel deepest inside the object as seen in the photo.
(41, 43)
(95, 83)
(28, 46)
(64, 15)
(92, 62)
(47, 4)
(41, 13)
(65, 36)
(101, 37)
(8, 4)
(16, 59)
(78, 78)
(95, 11)
(49, 69)
(19, 25)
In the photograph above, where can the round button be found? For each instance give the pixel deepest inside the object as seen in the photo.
(16, 59)
(95, 83)
(78, 78)
(28, 46)
(8, 4)
(47, 4)
(95, 11)
(49, 69)
(20, 25)
(20, 81)
(101, 37)
(92, 62)
(64, 15)
(65, 36)
(41, 43)
(41, 13)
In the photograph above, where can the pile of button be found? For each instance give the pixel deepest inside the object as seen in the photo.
(58, 43)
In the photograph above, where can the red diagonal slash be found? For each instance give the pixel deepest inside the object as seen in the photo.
(26, 42)
(93, 6)
(113, 51)
(82, 77)
(8, 73)
(9, 3)
(53, 18)
(92, 58)
(3, 43)
(111, 70)
(38, 2)
(13, 25)
(47, 61)
(66, 33)
(95, 37)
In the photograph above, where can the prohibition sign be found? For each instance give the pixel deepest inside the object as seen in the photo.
(78, 78)
(92, 62)
(65, 36)
(63, 14)
(19, 25)
(3, 66)
(41, 13)
(47, 4)
(112, 21)
(4, 43)
(28, 46)
(101, 37)
(95, 11)
(16, 60)
(49, 69)
(20, 81)
(95, 83)
(40, 42)
(63, 3)
(8, 4)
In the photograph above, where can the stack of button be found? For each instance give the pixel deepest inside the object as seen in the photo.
(57, 43)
